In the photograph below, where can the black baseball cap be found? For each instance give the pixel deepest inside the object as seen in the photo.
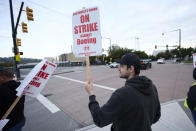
(130, 59)
(194, 73)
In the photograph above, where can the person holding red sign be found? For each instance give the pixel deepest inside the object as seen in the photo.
(7, 96)
(134, 107)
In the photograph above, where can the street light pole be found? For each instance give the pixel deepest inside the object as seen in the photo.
(179, 35)
(179, 38)
(137, 43)
(110, 42)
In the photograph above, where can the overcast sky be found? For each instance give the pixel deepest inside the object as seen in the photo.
(50, 34)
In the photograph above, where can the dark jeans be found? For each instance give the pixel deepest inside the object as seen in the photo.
(194, 115)
(18, 127)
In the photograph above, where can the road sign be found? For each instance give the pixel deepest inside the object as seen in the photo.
(86, 32)
(17, 57)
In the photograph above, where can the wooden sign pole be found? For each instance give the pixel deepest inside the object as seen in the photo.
(11, 108)
(88, 69)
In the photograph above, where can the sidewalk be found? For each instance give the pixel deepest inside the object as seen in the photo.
(174, 118)
(39, 118)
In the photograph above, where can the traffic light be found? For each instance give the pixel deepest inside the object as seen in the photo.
(18, 42)
(166, 46)
(29, 13)
(24, 27)
(155, 46)
(20, 53)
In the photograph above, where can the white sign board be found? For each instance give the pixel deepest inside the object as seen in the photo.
(86, 32)
(35, 81)
(194, 60)
(3, 123)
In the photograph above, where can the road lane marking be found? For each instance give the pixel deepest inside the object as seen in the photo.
(48, 104)
(82, 82)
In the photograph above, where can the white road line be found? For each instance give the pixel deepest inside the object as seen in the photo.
(82, 82)
(48, 104)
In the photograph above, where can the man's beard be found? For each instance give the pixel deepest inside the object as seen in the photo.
(125, 76)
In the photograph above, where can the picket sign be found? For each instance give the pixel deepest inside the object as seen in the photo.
(86, 32)
(86, 35)
(3, 123)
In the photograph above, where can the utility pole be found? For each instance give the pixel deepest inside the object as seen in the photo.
(137, 43)
(110, 42)
(14, 34)
(179, 38)
(180, 53)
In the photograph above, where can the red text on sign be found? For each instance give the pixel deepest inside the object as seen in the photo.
(52, 65)
(86, 35)
(42, 75)
(85, 28)
(86, 41)
(44, 67)
(27, 87)
(36, 78)
(34, 83)
(84, 18)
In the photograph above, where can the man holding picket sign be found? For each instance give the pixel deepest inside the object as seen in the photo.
(134, 107)
(7, 96)
(125, 111)
(32, 85)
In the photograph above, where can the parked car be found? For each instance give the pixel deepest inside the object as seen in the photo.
(145, 64)
(161, 61)
(114, 65)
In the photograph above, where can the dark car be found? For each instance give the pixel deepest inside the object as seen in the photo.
(145, 64)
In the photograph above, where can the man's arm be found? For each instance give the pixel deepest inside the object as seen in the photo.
(158, 113)
(107, 114)
(158, 108)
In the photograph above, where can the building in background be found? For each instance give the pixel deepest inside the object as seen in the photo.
(62, 57)
(70, 60)
(52, 59)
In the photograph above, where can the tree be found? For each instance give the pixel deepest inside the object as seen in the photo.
(167, 55)
(160, 55)
(141, 54)
(97, 59)
(117, 52)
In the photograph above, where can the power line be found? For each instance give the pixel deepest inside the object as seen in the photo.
(1, 36)
(47, 8)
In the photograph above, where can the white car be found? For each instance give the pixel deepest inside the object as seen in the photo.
(161, 61)
(114, 65)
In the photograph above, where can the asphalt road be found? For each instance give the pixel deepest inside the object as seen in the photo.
(67, 90)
